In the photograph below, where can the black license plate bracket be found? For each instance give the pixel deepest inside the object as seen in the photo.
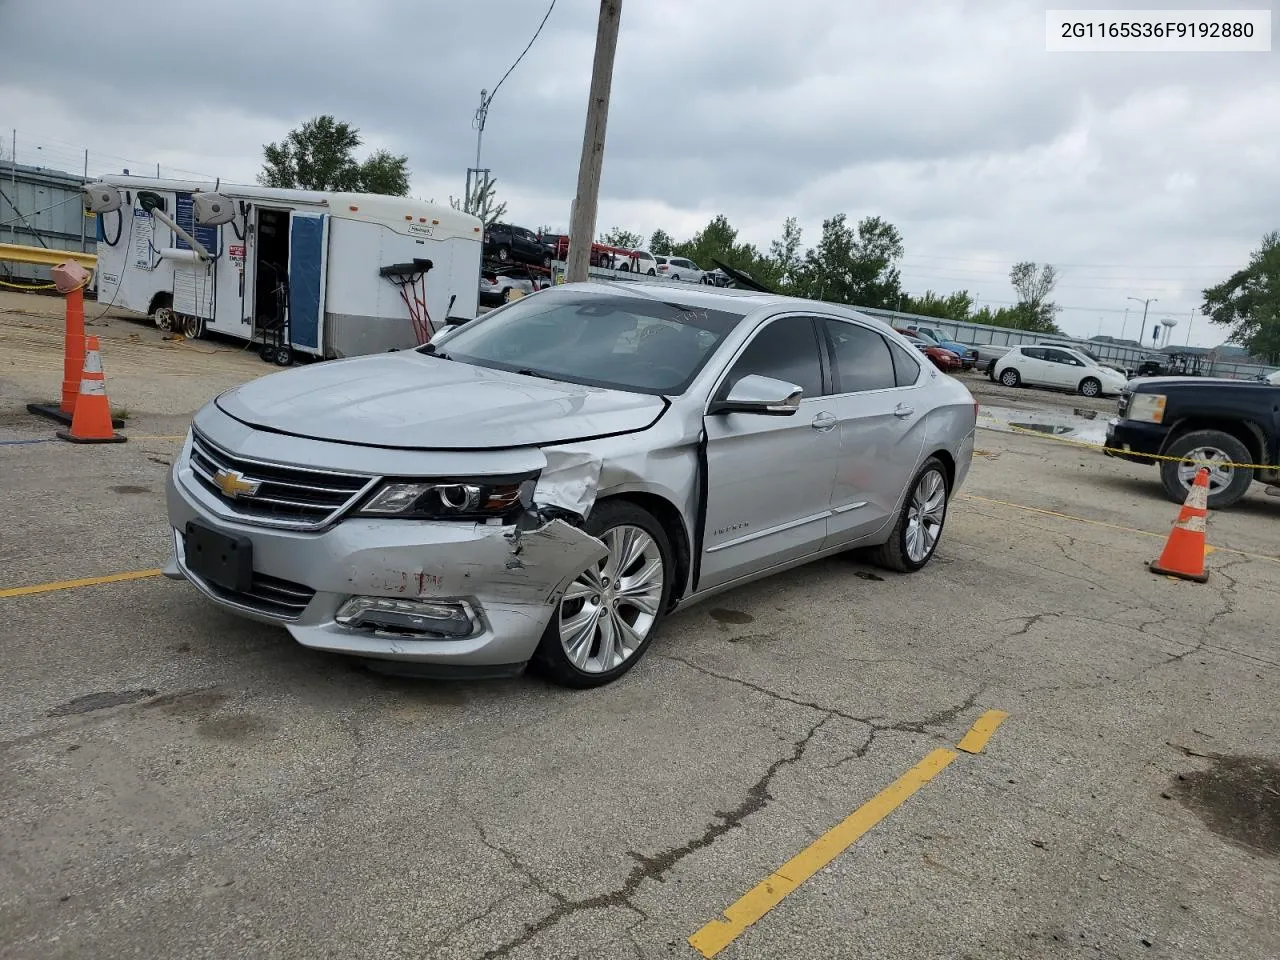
(219, 559)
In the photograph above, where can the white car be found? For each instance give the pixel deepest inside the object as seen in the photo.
(1274, 378)
(1058, 367)
(681, 268)
(643, 262)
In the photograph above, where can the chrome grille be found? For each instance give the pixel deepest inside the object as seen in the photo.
(285, 496)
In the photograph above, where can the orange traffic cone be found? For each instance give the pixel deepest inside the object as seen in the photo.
(1183, 555)
(92, 420)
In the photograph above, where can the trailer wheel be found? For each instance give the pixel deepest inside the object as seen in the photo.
(164, 318)
(192, 327)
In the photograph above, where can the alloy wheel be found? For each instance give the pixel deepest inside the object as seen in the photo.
(925, 515)
(608, 611)
(1220, 475)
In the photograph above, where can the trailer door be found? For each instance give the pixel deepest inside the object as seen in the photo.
(308, 243)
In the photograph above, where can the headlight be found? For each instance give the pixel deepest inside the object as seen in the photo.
(1146, 406)
(443, 501)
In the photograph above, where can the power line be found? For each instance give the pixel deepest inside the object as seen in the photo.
(524, 51)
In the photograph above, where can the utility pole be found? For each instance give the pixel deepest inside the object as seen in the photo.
(83, 248)
(1190, 321)
(583, 225)
(1124, 323)
(13, 189)
(1145, 304)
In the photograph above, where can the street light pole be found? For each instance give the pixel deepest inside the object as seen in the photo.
(583, 224)
(1190, 321)
(1145, 304)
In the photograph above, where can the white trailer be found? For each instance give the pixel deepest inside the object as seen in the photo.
(340, 274)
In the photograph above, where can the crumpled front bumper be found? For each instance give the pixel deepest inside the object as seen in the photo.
(510, 581)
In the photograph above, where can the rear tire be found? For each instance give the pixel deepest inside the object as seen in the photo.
(1010, 377)
(624, 520)
(918, 531)
(1226, 484)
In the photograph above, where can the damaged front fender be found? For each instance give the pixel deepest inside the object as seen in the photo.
(509, 565)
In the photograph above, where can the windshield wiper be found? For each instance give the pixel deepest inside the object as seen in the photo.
(534, 373)
(431, 351)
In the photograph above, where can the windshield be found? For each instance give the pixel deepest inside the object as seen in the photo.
(634, 343)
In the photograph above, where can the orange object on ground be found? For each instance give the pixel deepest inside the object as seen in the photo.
(70, 278)
(73, 351)
(1183, 555)
(92, 420)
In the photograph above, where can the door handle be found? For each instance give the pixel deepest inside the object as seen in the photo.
(823, 422)
(903, 410)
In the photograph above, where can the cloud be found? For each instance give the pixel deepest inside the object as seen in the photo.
(1139, 174)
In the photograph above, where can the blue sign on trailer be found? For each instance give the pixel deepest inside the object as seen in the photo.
(185, 216)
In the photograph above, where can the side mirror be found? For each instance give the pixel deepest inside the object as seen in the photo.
(765, 395)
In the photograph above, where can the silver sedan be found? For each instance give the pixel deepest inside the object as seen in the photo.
(544, 484)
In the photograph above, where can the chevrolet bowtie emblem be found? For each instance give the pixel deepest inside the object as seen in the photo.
(234, 484)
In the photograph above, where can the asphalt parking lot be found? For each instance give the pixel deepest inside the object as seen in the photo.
(178, 782)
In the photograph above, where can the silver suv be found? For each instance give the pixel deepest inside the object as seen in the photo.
(550, 480)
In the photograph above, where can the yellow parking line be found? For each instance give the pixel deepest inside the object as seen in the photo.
(768, 893)
(982, 730)
(73, 584)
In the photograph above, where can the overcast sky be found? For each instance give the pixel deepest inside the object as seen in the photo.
(1138, 175)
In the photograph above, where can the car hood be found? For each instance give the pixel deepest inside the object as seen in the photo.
(414, 401)
(1182, 381)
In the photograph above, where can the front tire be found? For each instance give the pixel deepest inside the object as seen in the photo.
(1090, 387)
(1010, 377)
(610, 612)
(1226, 484)
(915, 536)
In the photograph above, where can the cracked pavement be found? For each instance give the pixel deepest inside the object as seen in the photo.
(177, 782)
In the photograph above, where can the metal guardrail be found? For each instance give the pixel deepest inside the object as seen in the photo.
(39, 256)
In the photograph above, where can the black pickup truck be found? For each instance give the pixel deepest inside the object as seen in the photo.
(1214, 421)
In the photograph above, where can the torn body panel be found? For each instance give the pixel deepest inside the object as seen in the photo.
(466, 564)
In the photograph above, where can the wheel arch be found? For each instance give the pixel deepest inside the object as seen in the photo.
(667, 514)
(162, 298)
(1246, 431)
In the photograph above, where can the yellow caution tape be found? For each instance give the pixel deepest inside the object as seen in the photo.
(27, 286)
(1145, 456)
(41, 286)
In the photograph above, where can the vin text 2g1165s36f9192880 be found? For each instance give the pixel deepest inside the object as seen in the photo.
(546, 482)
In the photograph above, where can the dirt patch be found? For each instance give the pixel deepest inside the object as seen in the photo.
(1238, 798)
(130, 489)
(99, 701)
(721, 615)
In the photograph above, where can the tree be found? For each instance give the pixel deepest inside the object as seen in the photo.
(953, 306)
(1034, 310)
(482, 202)
(618, 237)
(320, 155)
(854, 266)
(784, 259)
(717, 241)
(661, 243)
(1249, 302)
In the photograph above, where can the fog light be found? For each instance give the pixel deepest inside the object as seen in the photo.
(421, 618)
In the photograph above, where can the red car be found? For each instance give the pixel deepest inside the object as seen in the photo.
(944, 360)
